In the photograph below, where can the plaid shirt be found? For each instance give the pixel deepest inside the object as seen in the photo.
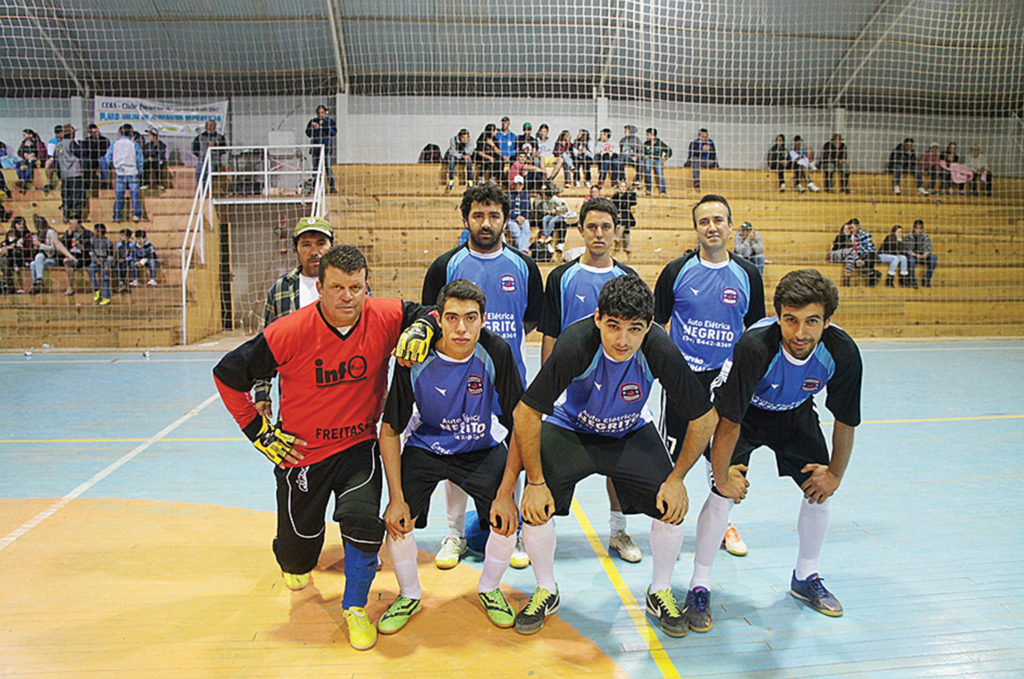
(864, 242)
(282, 300)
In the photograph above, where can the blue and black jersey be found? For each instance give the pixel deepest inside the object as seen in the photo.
(763, 375)
(452, 406)
(511, 282)
(572, 292)
(581, 389)
(709, 306)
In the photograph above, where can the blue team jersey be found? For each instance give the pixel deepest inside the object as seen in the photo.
(580, 388)
(764, 375)
(449, 406)
(709, 306)
(572, 292)
(511, 283)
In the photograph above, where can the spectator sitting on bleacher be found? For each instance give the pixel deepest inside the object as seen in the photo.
(50, 246)
(545, 153)
(519, 214)
(78, 242)
(903, 159)
(631, 153)
(506, 139)
(563, 158)
(978, 164)
(532, 175)
(50, 166)
(919, 251)
(68, 159)
(32, 154)
(18, 251)
(583, 156)
(145, 253)
(459, 151)
(931, 167)
(553, 222)
(948, 158)
(894, 253)
(750, 245)
(802, 160)
(606, 152)
(8, 248)
(94, 150)
(854, 248)
(102, 259)
(701, 154)
(527, 143)
(154, 160)
(833, 159)
(125, 157)
(125, 253)
(778, 160)
(487, 155)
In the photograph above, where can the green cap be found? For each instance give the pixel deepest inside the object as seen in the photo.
(527, 126)
(746, 226)
(318, 224)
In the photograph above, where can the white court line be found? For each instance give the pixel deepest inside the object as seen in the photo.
(55, 507)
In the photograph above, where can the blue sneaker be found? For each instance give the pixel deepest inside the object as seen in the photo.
(812, 590)
(696, 610)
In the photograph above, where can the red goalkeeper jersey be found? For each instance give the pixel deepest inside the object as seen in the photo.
(332, 385)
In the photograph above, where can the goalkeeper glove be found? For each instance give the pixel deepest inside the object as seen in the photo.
(273, 442)
(415, 342)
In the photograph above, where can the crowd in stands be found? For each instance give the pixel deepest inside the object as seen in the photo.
(77, 249)
(855, 249)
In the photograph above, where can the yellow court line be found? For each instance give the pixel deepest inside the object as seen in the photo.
(637, 613)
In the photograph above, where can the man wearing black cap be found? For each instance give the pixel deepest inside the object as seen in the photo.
(297, 288)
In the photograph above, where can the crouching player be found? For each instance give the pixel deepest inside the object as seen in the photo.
(767, 399)
(594, 390)
(332, 359)
(460, 401)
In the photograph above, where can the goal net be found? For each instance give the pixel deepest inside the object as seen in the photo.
(854, 81)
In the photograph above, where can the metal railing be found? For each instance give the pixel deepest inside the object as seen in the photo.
(201, 214)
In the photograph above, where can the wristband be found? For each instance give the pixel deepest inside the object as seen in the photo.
(542, 483)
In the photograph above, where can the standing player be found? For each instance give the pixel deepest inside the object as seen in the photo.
(296, 289)
(767, 399)
(459, 436)
(515, 294)
(705, 299)
(571, 294)
(332, 358)
(594, 389)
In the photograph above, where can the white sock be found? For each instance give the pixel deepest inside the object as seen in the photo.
(496, 557)
(616, 521)
(666, 541)
(711, 526)
(403, 563)
(455, 501)
(811, 526)
(540, 542)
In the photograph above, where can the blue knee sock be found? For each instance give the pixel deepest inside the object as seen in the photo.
(360, 569)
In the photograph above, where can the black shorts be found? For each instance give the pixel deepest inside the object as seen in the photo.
(793, 435)
(478, 473)
(638, 463)
(673, 430)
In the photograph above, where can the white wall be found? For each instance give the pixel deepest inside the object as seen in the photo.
(395, 129)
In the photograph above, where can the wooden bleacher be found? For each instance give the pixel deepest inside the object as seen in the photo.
(402, 218)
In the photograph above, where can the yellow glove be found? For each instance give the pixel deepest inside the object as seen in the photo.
(273, 442)
(415, 341)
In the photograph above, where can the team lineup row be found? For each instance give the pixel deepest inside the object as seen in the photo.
(733, 381)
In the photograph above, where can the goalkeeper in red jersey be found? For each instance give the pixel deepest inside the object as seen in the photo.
(332, 359)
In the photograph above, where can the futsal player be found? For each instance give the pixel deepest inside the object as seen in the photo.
(459, 402)
(515, 294)
(594, 390)
(571, 294)
(332, 359)
(767, 399)
(705, 299)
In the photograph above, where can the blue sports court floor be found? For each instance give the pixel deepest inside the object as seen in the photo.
(136, 527)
